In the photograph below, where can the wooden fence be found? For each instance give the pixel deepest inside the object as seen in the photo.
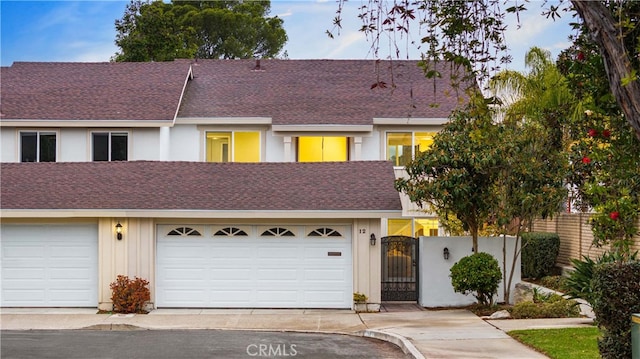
(576, 236)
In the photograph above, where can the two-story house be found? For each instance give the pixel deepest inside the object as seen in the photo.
(225, 183)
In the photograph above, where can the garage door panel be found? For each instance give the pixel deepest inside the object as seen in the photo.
(231, 274)
(23, 252)
(49, 265)
(72, 275)
(256, 271)
(281, 274)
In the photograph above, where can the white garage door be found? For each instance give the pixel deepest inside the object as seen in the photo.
(254, 267)
(49, 265)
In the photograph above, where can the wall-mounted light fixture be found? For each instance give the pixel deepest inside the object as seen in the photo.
(119, 231)
(445, 253)
(372, 239)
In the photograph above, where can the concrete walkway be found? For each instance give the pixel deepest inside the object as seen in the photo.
(422, 333)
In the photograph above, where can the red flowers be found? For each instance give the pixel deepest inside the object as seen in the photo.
(606, 133)
(592, 133)
(580, 56)
(586, 160)
(614, 215)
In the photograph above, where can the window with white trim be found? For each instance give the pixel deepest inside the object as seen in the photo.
(110, 146)
(184, 231)
(37, 146)
(402, 147)
(278, 232)
(324, 232)
(230, 232)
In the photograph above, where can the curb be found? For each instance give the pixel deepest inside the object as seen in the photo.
(400, 341)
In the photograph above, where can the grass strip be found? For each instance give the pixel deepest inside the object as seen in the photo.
(564, 343)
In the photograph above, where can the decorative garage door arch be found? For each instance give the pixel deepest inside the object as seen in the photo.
(255, 266)
(399, 268)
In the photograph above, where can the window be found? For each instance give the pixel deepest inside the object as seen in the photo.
(278, 232)
(230, 232)
(402, 147)
(412, 227)
(110, 146)
(183, 231)
(323, 149)
(233, 146)
(37, 146)
(324, 232)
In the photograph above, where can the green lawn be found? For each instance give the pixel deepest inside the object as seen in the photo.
(567, 343)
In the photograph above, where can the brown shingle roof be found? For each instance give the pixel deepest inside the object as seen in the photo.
(93, 91)
(300, 92)
(339, 186)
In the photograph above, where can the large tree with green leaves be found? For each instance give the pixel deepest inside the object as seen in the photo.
(456, 174)
(471, 34)
(159, 31)
(535, 107)
(605, 157)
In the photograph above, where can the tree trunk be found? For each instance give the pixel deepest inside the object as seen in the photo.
(604, 31)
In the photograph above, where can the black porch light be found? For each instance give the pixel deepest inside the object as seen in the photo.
(119, 231)
(372, 239)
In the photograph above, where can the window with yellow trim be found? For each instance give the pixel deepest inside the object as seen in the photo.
(412, 227)
(402, 147)
(233, 146)
(323, 149)
(399, 227)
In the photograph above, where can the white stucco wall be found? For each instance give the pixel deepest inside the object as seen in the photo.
(73, 145)
(274, 148)
(435, 284)
(371, 147)
(8, 145)
(184, 143)
(145, 144)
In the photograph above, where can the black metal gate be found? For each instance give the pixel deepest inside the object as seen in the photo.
(399, 268)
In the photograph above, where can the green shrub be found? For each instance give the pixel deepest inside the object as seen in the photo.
(478, 273)
(129, 295)
(554, 307)
(539, 253)
(555, 282)
(616, 293)
(578, 284)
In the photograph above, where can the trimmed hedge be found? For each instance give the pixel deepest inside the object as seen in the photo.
(539, 253)
(616, 292)
(478, 273)
(557, 308)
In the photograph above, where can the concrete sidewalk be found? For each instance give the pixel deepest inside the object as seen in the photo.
(422, 333)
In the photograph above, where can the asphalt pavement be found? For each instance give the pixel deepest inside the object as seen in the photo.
(453, 333)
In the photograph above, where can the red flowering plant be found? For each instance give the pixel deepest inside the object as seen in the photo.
(605, 174)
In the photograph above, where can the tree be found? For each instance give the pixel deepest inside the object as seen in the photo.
(471, 34)
(158, 31)
(605, 160)
(531, 180)
(456, 174)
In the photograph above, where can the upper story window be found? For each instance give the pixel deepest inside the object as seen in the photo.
(110, 146)
(233, 146)
(37, 146)
(323, 149)
(402, 147)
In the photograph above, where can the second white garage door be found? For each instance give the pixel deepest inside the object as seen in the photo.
(254, 267)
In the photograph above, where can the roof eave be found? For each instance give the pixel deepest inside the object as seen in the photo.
(84, 123)
(231, 214)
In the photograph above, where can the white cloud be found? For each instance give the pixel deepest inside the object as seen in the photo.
(345, 44)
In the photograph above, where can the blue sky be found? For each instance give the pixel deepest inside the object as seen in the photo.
(84, 31)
